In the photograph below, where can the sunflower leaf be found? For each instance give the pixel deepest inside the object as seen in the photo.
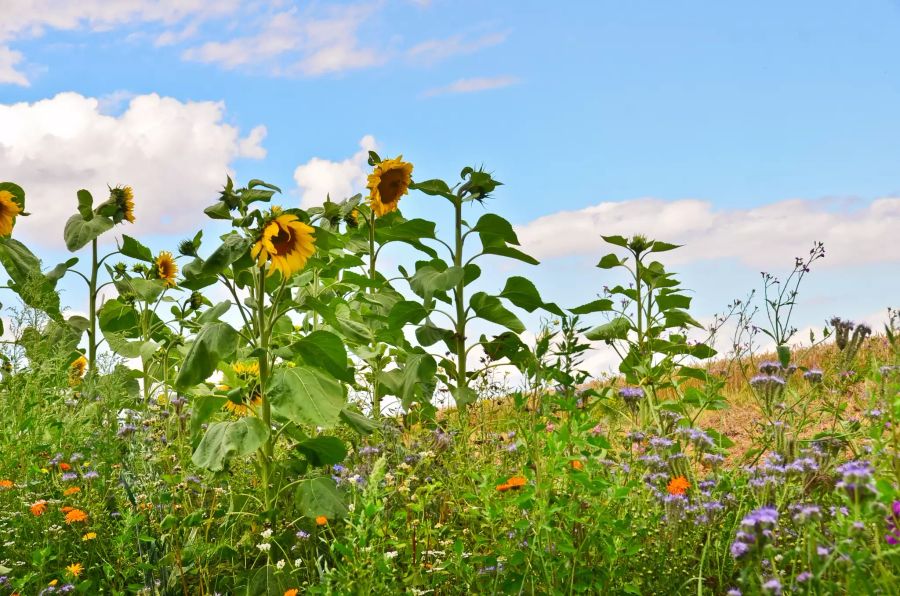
(226, 440)
(232, 248)
(215, 342)
(80, 231)
(524, 294)
(134, 249)
(307, 395)
(320, 497)
(490, 308)
(85, 204)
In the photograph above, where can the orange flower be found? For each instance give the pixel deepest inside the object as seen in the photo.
(321, 520)
(72, 490)
(576, 464)
(678, 485)
(39, 507)
(66, 509)
(6, 484)
(65, 467)
(75, 569)
(513, 483)
(291, 592)
(76, 515)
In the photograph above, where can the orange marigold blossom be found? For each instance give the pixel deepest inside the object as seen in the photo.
(64, 467)
(6, 484)
(39, 507)
(76, 515)
(72, 490)
(321, 520)
(291, 592)
(512, 483)
(576, 464)
(678, 485)
(66, 509)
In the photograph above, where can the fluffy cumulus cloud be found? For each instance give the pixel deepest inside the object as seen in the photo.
(319, 178)
(174, 154)
(854, 232)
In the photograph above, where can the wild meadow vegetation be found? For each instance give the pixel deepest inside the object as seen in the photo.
(260, 413)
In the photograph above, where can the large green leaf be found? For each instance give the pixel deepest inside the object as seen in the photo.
(435, 277)
(358, 422)
(307, 395)
(80, 231)
(325, 350)
(601, 305)
(24, 270)
(524, 294)
(618, 328)
(215, 342)
(323, 450)
(85, 204)
(497, 235)
(320, 496)
(232, 248)
(134, 249)
(226, 440)
(491, 309)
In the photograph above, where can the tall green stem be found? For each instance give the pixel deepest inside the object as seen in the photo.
(263, 331)
(462, 382)
(376, 360)
(92, 311)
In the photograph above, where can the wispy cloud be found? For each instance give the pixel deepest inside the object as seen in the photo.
(854, 232)
(472, 85)
(436, 50)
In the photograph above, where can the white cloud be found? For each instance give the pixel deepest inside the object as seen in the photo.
(435, 50)
(472, 85)
(290, 43)
(854, 232)
(319, 177)
(174, 154)
(33, 18)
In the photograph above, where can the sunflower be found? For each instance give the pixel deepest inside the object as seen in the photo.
(286, 243)
(124, 198)
(9, 209)
(166, 269)
(387, 183)
(249, 373)
(76, 371)
(246, 370)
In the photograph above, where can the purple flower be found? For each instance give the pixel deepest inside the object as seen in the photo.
(813, 375)
(893, 524)
(302, 535)
(69, 477)
(856, 479)
(804, 577)
(803, 514)
(773, 586)
(733, 592)
(91, 474)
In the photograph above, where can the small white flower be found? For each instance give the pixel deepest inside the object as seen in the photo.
(264, 546)
(280, 564)
(298, 561)
(267, 533)
(351, 507)
(390, 554)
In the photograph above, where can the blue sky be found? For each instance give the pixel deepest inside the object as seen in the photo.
(738, 105)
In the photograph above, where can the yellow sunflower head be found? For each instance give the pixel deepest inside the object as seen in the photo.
(246, 371)
(124, 199)
(285, 243)
(76, 370)
(9, 209)
(387, 183)
(166, 269)
(240, 405)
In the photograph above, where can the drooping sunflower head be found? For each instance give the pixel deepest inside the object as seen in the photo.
(241, 406)
(388, 182)
(246, 371)
(166, 269)
(285, 243)
(76, 371)
(124, 200)
(9, 209)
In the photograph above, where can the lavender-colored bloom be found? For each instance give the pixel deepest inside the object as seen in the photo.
(69, 477)
(803, 514)
(660, 443)
(733, 592)
(338, 468)
(823, 551)
(804, 577)
(90, 475)
(856, 479)
(635, 436)
(813, 375)
(739, 549)
(369, 450)
(66, 588)
(713, 460)
(302, 535)
(769, 367)
(56, 459)
(773, 586)
(75, 457)
(893, 524)
(769, 387)
(632, 397)
(126, 430)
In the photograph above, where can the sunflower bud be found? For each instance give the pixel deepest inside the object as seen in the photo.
(187, 248)
(352, 219)
(196, 300)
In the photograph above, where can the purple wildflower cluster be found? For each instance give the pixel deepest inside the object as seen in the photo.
(893, 524)
(632, 397)
(757, 530)
(856, 480)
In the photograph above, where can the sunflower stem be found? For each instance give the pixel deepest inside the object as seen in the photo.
(462, 383)
(376, 361)
(266, 452)
(92, 311)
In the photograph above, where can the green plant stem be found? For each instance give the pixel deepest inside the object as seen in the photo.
(376, 360)
(459, 299)
(92, 311)
(263, 332)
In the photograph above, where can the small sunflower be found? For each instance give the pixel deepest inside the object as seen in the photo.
(286, 243)
(124, 198)
(76, 371)
(9, 209)
(246, 370)
(387, 183)
(166, 269)
(243, 406)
